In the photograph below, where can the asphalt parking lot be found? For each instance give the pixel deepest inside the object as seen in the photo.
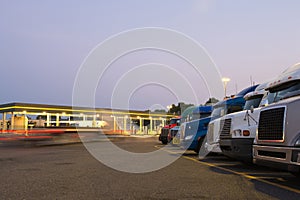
(70, 172)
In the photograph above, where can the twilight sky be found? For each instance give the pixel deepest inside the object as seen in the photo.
(43, 44)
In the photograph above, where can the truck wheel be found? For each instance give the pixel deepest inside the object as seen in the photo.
(297, 174)
(199, 144)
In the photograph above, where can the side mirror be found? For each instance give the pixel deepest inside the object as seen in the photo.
(252, 109)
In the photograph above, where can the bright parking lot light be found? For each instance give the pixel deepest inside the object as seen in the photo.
(225, 80)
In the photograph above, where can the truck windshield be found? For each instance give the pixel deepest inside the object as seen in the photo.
(253, 101)
(224, 109)
(280, 93)
(204, 115)
(173, 121)
(219, 111)
(200, 115)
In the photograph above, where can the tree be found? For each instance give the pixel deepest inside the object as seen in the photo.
(177, 110)
(211, 101)
(159, 111)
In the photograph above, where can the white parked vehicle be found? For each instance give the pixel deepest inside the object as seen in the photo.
(239, 129)
(277, 142)
(220, 109)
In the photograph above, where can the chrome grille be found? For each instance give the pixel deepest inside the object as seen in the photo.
(182, 131)
(173, 132)
(225, 126)
(270, 126)
(164, 131)
(210, 133)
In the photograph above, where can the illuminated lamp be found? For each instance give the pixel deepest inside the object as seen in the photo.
(246, 133)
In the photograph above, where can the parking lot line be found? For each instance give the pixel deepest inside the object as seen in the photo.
(244, 175)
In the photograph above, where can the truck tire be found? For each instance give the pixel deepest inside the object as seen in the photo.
(164, 142)
(199, 144)
(297, 174)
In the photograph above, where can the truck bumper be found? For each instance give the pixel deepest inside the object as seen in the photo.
(286, 158)
(238, 148)
(213, 147)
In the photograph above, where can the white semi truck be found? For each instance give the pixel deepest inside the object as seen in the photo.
(236, 137)
(220, 109)
(277, 142)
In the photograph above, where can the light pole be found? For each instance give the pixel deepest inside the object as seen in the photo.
(169, 107)
(225, 81)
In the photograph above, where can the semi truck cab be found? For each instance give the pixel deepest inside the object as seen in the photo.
(236, 139)
(277, 142)
(195, 131)
(164, 134)
(220, 109)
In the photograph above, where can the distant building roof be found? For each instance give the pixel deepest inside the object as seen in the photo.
(33, 107)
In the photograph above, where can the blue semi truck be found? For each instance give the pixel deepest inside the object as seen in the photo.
(193, 133)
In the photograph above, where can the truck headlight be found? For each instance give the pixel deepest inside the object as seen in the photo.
(189, 137)
(237, 132)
